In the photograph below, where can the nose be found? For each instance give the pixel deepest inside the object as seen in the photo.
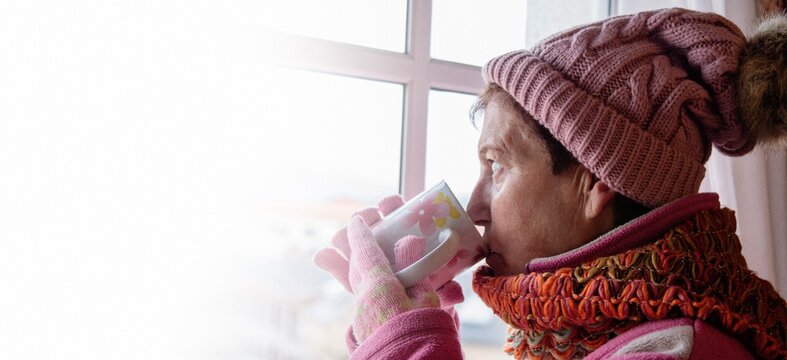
(478, 206)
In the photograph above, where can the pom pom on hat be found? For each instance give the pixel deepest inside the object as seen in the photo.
(762, 82)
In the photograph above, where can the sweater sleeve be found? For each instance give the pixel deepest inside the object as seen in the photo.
(673, 339)
(418, 334)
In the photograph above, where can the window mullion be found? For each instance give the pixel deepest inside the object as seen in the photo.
(413, 165)
(450, 76)
(337, 58)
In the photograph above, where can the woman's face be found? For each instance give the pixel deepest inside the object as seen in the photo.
(527, 211)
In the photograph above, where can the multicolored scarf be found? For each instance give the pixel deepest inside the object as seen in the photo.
(693, 270)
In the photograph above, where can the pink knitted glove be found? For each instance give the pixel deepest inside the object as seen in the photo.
(379, 295)
(336, 260)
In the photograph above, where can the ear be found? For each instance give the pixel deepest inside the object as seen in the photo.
(598, 195)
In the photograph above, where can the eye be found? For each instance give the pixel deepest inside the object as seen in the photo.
(495, 166)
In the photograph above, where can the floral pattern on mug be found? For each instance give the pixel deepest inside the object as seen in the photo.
(429, 214)
(465, 253)
(453, 211)
(461, 254)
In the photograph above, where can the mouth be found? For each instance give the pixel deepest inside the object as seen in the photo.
(493, 259)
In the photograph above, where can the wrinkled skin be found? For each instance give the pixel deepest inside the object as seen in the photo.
(527, 211)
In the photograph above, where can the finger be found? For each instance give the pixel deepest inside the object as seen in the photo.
(367, 255)
(450, 294)
(423, 292)
(331, 261)
(369, 215)
(408, 250)
(339, 241)
(389, 204)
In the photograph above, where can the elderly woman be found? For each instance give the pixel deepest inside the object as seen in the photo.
(592, 151)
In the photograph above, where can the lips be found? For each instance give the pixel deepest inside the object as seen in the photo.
(490, 247)
(495, 261)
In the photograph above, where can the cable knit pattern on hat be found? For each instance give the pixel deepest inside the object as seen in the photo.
(636, 99)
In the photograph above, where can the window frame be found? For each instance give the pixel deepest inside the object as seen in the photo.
(414, 69)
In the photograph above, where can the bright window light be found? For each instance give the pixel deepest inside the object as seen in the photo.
(451, 143)
(335, 144)
(470, 32)
(378, 24)
(335, 148)
(547, 17)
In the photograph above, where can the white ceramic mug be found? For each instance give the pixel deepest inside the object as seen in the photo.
(452, 242)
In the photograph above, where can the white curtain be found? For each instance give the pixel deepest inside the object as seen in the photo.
(755, 185)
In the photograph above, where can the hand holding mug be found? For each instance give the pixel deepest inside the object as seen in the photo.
(452, 243)
(378, 294)
(428, 241)
(336, 260)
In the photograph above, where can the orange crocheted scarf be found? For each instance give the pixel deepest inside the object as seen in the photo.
(694, 270)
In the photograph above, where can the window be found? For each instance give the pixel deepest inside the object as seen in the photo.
(336, 143)
(333, 138)
(377, 93)
(545, 18)
(452, 142)
(495, 27)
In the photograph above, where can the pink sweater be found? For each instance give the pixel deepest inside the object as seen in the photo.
(432, 334)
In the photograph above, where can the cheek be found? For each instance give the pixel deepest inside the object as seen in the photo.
(512, 194)
(509, 212)
(515, 209)
(511, 236)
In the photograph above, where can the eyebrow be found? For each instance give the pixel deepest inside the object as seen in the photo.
(495, 146)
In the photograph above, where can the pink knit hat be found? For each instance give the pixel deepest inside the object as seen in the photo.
(636, 99)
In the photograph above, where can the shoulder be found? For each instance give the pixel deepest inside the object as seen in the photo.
(685, 339)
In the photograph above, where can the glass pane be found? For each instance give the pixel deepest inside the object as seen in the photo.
(546, 17)
(464, 32)
(451, 142)
(469, 32)
(451, 156)
(336, 137)
(334, 149)
(633, 6)
(379, 24)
